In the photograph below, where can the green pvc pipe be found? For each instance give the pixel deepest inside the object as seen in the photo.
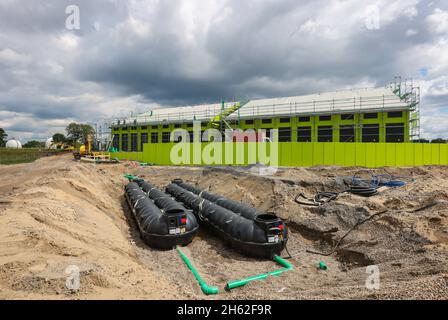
(130, 177)
(239, 283)
(322, 266)
(205, 288)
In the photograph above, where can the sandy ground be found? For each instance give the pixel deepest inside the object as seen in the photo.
(56, 213)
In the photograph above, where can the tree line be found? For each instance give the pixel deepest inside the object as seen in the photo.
(76, 133)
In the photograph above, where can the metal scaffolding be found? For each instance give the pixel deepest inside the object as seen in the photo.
(411, 95)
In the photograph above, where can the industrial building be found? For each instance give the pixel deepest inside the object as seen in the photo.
(384, 114)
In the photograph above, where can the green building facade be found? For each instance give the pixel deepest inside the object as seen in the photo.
(365, 127)
(389, 127)
(372, 115)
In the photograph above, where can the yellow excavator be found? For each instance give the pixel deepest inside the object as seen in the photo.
(85, 149)
(86, 154)
(63, 146)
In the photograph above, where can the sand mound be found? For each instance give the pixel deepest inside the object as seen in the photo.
(57, 213)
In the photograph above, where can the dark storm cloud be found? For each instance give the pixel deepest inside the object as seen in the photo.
(131, 53)
(254, 42)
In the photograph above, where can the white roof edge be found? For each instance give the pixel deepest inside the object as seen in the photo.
(350, 100)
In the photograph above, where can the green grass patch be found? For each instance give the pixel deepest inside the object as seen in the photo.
(16, 156)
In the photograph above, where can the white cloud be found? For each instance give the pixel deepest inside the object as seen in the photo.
(438, 21)
(435, 127)
(10, 56)
(411, 32)
(67, 41)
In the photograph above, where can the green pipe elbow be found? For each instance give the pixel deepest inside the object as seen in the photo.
(283, 263)
(206, 289)
(130, 177)
(239, 283)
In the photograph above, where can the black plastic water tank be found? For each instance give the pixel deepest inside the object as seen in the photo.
(163, 226)
(262, 236)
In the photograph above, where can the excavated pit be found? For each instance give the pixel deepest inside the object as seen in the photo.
(56, 212)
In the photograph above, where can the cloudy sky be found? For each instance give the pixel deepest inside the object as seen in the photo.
(131, 56)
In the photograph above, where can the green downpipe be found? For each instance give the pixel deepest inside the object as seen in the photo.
(239, 283)
(205, 288)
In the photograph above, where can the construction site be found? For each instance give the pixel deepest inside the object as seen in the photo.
(354, 208)
(56, 213)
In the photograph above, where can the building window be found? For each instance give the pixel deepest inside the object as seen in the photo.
(177, 136)
(324, 118)
(266, 121)
(166, 126)
(371, 133)
(347, 134)
(190, 125)
(284, 135)
(268, 133)
(133, 128)
(116, 141)
(325, 134)
(166, 137)
(124, 142)
(144, 128)
(395, 132)
(116, 129)
(284, 120)
(249, 122)
(204, 124)
(134, 142)
(181, 136)
(125, 129)
(177, 125)
(154, 137)
(155, 127)
(304, 119)
(370, 115)
(143, 140)
(348, 116)
(395, 114)
(304, 134)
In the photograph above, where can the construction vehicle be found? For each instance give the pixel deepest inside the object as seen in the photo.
(50, 144)
(63, 146)
(87, 154)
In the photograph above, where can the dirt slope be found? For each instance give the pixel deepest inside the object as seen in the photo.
(55, 213)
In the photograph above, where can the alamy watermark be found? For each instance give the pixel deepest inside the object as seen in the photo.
(372, 18)
(373, 280)
(73, 20)
(231, 147)
(72, 281)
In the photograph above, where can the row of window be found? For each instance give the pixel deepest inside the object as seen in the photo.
(157, 127)
(369, 133)
(347, 133)
(143, 140)
(348, 116)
